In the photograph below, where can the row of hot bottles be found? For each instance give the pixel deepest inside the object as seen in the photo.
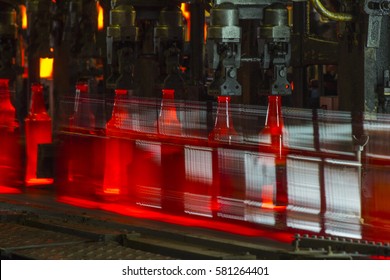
(38, 130)
(158, 169)
(162, 168)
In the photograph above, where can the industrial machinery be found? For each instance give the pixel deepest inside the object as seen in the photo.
(139, 99)
(224, 44)
(122, 36)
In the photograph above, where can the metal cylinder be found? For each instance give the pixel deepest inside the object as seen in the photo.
(122, 22)
(123, 14)
(276, 15)
(275, 24)
(170, 24)
(224, 23)
(225, 14)
(171, 17)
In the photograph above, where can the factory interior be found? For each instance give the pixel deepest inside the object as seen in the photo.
(198, 129)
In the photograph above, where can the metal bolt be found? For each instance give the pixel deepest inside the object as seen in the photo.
(233, 73)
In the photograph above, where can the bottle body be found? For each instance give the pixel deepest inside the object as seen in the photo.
(274, 135)
(118, 150)
(227, 164)
(11, 150)
(172, 155)
(85, 154)
(38, 128)
(274, 132)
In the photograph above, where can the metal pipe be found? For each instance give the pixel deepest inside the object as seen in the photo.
(320, 8)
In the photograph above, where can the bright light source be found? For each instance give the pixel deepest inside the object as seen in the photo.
(187, 16)
(23, 11)
(46, 68)
(100, 17)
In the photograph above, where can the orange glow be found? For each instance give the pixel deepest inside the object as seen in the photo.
(267, 196)
(187, 16)
(46, 68)
(39, 182)
(207, 19)
(23, 12)
(100, 18)
(205, 32)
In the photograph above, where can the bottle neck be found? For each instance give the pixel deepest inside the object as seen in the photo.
(120, 114)
(224, 130)
(274, 120)
(168, 107)
(81, 92)
(7, 110)
(5, 102)
(224, 117)
(82, 87)
(4, 86)
(120, 95)
(168, 122)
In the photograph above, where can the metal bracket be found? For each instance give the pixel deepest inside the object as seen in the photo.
(374, 31)
(377, 7)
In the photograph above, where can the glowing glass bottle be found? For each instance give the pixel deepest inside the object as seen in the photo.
(274, 133)
(227, 162)
(119, 148)
(7, 110)
(87, 144)
(274, 129)
(168, 123)
(172, 154)
(10, 155)
(82, 118)
(82, 122)
(38, 127)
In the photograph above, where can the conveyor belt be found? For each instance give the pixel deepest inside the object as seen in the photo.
(27, 233)
(18, 241)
